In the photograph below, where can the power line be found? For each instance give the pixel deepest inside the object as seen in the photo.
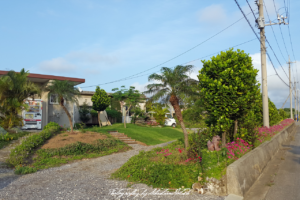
(251, 9)
(179, 54)
(259, 39)
(292, 46)
(274, 33)
(271, 49)
(280, 29)
(189, 49)
(128, 78)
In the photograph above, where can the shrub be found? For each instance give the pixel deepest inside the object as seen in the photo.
(21, 152)
(237, 149)
(24, 169)
(52, 125)
(80, 148)
(94, 113)
(141, 168)
(198, 141)
(160, 114)
(6, 137)
(84, 113)
(114, 114)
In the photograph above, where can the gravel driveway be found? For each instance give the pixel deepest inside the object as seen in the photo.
(86, 179)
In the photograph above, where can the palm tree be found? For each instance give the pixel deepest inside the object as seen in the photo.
(65, 91)
(14, 89)
(172, 84)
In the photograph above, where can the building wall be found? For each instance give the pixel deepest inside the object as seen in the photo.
(88, 100)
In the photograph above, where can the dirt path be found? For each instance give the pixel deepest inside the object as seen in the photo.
(86, 179)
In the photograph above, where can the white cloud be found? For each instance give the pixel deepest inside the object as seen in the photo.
(92, 57)
(278, 91)
(140, 87)
(56, 65)
(213, 14)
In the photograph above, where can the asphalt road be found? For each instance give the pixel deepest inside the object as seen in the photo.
(287, 181)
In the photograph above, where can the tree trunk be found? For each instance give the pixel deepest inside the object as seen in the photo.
(124, 116)
(224, 139)
(69, 116)
(175, 103)
(235, 128)
(108, 122)
(99, 120)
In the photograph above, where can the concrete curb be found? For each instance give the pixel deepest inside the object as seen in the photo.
(242, 174)
(233, 197)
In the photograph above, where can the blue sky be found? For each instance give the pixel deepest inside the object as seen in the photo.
(103, 41)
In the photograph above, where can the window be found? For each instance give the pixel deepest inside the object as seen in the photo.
(53, 99)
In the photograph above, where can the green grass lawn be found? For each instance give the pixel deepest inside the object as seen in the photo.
(147, 135)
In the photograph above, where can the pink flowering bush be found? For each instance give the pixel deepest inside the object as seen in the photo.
(177, 155)
(152, 123)
(237, 149)
(264, 132)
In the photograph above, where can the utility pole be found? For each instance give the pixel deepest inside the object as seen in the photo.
(295, 100)
(291, 93)
(264, 82)
(298, 105)
(261, 25)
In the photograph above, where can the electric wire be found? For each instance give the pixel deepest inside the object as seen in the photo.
(259, 41)
(274, 33)
(172, 67)
(293, 49)
(190, 48)
(280, 29)
(126, 78)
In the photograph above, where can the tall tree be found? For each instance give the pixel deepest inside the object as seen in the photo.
(65, 91)
(229, 89)
(172, 84)
(84, 112)
(14, 89)
(129, 97)
(100, 101)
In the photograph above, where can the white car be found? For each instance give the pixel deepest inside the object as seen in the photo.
(170, 122)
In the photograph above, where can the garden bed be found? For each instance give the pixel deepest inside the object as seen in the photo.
(51, 148)
(65, 138)
(173, 167)
(10, 137)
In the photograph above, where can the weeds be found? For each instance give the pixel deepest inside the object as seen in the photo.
(24, 170)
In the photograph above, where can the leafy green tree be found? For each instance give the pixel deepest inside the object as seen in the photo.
(194, 113)
(100, 101)
(160, 114)
(65, 91)
(84, 112)
(229, 89)
(129, 97)
(114, 114)
(274, 115)
(14, 89)
(282, 114)
(172, 84)
(137, 112)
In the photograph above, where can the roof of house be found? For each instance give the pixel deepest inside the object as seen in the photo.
(109, 94)
(91, 93)
(41, 78)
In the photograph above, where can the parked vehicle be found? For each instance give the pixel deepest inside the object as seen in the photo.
(170, 121)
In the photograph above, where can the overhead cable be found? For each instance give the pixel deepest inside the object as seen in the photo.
(128, 78)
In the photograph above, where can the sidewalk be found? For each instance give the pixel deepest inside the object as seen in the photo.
(287, 181)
